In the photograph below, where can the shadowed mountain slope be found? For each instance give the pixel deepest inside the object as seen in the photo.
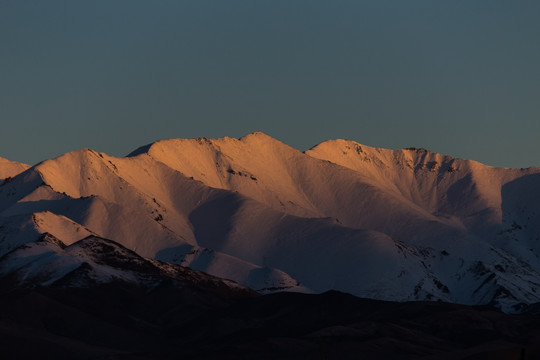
(387, 224)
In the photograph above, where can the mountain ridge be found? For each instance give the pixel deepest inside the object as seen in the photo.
(404, 224)
(9, 168)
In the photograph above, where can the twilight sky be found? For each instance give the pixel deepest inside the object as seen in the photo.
(456, 77)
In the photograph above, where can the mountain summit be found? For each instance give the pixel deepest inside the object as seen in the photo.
(9, 168)
(399, 225)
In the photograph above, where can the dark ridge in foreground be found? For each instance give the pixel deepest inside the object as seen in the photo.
(124, 321)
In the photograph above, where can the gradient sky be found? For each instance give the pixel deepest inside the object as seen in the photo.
(456, 77)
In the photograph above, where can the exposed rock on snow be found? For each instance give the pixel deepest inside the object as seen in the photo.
(93, 261)
(404, 224)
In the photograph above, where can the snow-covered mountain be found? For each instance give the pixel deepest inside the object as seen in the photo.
(94, 261)
(387, 224)
(9, 168)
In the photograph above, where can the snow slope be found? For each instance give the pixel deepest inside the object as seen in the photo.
(10, 168)
(119, 200)
(94, 260)
(388, 224)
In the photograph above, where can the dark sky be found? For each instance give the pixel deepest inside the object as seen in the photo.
(457, 77)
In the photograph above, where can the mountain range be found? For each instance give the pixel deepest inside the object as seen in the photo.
(393, 225)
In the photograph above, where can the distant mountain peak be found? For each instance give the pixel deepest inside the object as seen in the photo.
(10, 168)
(406, 224)
(258, 135)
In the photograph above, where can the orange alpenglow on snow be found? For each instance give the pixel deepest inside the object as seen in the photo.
(8, 169)
(404, 224)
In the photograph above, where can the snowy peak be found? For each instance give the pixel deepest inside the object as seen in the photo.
(260, 139)
(436, 182)
(256, 166)
(71, 173)
(405, 224)
(9, 169)
(93, 261)
(365, 158)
